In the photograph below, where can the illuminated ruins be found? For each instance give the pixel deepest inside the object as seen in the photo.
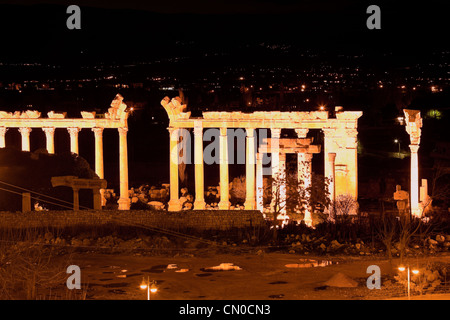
(340, 149)
(116, 118)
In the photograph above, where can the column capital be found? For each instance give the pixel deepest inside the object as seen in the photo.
(223, 131)
(301, 133)
(414, 148)
(198, 131)
(275, 132)
(97, 131)
(329, 132)
(3, 130)
(331, 156)
(48, 130)
(250, 132)
(307, 156)
(282, 157)
(25, 130)
(123, 130)
(74, 130)
(351, 133)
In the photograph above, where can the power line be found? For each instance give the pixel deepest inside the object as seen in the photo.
(57, 204)
(41, 194)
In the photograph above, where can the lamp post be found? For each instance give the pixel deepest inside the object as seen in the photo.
(150, 286)
(398, 141)
(415, 271)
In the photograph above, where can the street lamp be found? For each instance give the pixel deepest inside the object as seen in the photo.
(151, 287)
(414, 271)
(398, 141)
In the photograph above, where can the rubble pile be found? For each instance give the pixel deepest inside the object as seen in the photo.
(306, 244)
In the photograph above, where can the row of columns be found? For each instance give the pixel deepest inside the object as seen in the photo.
(49, 138)
(199, 204)
(253, 200)
(124, 201)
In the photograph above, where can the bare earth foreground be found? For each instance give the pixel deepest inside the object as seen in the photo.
(262, 277)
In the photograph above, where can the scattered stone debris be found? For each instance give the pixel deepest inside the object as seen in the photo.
(222, 267)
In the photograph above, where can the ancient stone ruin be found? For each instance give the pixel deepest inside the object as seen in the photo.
(340, 148)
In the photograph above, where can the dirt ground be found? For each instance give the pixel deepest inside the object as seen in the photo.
(262, 277)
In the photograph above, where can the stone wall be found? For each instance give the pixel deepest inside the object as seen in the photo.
(199, 220)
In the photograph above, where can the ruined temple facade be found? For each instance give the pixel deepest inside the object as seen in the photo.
(115, 118)
(340, 148)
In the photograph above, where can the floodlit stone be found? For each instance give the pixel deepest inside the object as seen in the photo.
(157, 205)
(54, 115)
(88, 115)
(5, 115)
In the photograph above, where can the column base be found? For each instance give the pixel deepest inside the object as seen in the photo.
(124, 203)
(174, 205)
(250, 205)
(308, 221)
(260, 207)
(102, 195)
(199, 205)
(97, 200)
(224, 205)
(416, 212)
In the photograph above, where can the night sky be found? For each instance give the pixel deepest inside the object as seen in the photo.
(127, 30)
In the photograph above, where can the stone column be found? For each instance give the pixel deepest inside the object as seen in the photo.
(250, 199)
(98, 134)
(328, 134)
(76, 199)
(414, 193)
(305, 181)
(259, 183)
(25, 132)
(73, 132)
(174, 202)
(124, 200)
(49, 136)
(275, 142)
(224, 203)
(2, 136)
(332, 175)
(282, 183)
(97, 199)
(199, 203)
(26, 202)
(413, 125)
(99, 169)
(352, 162)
